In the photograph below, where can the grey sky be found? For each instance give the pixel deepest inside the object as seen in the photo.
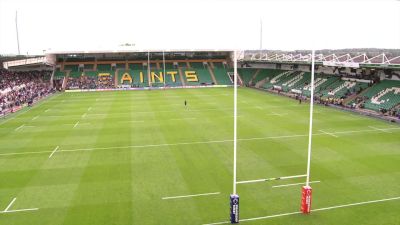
(189, 24)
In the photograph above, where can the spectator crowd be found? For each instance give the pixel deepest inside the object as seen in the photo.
(90, 82)
(22, 88)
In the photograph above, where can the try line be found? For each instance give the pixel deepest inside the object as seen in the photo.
(314, 210)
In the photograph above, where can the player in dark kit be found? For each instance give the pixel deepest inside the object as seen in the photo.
(185, 103)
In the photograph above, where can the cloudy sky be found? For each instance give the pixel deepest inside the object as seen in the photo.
(189, 24)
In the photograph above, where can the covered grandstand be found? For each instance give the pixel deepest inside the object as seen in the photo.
(357, 81)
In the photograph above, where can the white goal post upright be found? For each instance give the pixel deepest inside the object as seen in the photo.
(234, 197)
(234, 119)
(311, 118)
(307, 190)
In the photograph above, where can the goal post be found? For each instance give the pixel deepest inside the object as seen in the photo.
(306, 193)
(234, 197)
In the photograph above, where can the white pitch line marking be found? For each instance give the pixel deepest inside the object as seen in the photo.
(189, 196)
(9, 205)
(47, 110)
(199, 142)
(90, 108)
(19, 210)
(130, 121)
(54, 151)
(191, 118)
(76, 124)
(270, 179)
(84, 115)
(294, 184)
(330, 134)
(276, 114)
(383, 130)
(313, 210)
(18, 128)
(98, 114)
(34, 118)
(136, 121)
(357, 203)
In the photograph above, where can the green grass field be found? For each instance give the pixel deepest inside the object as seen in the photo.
(111, 157)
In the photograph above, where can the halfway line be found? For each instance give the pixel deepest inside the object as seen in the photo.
(197, 142)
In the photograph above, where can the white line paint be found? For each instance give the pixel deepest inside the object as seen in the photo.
(98, 114)
(23, 153)
(54, 151)
(84, 115)
(34, 118)
(271, 179)
(191, 118)
(9, 205)
(314, 210)
(276, 114)
(199, 142)
(357, 203)
(90, 108)
(18, 128)
(383, 130)
(189, 196)
(294, 184)
(76, 124)
(19, 210)
(330, 134)
(129, 121)
(250, 181)
(47, 110)
(41, 101)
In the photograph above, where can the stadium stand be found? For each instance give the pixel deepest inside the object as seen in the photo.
(197, 65)
(384, 95)
(246, 74)
(21, 88)
(221, 76)
(71, 67)
(204, 77)
(91, 79)
(263, 76)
